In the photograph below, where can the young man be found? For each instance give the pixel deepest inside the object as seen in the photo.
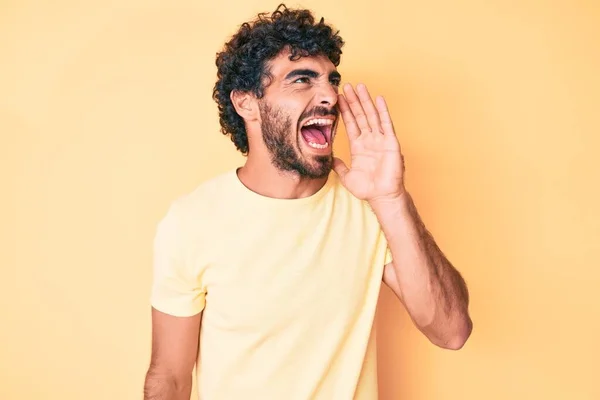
(268, 276)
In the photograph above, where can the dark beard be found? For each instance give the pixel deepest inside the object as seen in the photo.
(277, 135)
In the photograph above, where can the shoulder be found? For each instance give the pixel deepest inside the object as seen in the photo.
(194, 210)
(206, 196)
(354, 207)
(343, 194)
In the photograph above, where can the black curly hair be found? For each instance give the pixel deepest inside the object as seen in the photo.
(242, 63)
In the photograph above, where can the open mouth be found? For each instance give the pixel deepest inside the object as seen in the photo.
(317, 132)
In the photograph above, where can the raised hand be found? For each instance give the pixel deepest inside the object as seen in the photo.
(376, 170)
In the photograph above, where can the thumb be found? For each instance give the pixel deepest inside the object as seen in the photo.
(340, 168)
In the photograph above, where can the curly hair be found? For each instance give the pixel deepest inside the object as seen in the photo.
(242, 63)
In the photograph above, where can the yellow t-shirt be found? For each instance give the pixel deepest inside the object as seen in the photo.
(288, 289)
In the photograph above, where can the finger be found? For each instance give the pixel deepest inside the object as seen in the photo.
(356, 108)
(384, 117)
(340, 168)
(351, 127)
(370, 110)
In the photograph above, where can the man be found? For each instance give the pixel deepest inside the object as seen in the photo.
(268, 276)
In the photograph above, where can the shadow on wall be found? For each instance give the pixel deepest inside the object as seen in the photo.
(395, 358)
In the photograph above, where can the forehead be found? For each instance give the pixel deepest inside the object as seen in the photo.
(281, 64)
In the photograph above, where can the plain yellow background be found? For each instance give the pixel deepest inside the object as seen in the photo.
(106, 116)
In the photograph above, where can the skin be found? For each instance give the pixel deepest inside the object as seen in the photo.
(294, 99)
(281, 164)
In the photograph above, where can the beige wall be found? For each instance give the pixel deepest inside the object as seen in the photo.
(106, 116)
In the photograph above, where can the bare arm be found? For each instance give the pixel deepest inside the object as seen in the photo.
(432, 290)
(174, 351)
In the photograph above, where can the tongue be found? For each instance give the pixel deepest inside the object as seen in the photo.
(313, 135)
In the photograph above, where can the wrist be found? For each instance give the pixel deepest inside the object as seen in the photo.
(394, 204)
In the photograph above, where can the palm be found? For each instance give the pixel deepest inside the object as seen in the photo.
(376, 169)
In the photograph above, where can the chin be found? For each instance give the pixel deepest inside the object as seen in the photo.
(319, 166)
(317, 161)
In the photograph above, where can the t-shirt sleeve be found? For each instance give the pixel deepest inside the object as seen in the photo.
(176, 287)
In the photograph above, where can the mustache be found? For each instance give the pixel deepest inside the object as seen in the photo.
(320, 112)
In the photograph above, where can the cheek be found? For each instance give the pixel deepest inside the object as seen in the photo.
(295, 107)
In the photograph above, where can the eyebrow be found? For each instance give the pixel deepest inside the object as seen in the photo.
(311, 74)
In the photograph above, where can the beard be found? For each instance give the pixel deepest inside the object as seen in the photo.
(286, 154)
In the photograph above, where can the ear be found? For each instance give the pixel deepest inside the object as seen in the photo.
(245, 105)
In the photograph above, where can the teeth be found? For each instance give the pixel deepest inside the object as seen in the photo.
(318, 146)
(319, 121)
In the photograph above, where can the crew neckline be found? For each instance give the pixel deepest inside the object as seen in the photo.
(253, 196)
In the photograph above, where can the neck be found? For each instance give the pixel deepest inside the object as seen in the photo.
(261, 176)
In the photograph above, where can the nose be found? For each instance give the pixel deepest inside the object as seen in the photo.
(328, 95)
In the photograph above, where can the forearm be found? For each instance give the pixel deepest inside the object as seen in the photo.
(431, 289)
(163, 386)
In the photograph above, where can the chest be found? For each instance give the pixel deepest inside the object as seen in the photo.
(285, 273)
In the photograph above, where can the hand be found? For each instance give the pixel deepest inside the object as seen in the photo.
(377, 166)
